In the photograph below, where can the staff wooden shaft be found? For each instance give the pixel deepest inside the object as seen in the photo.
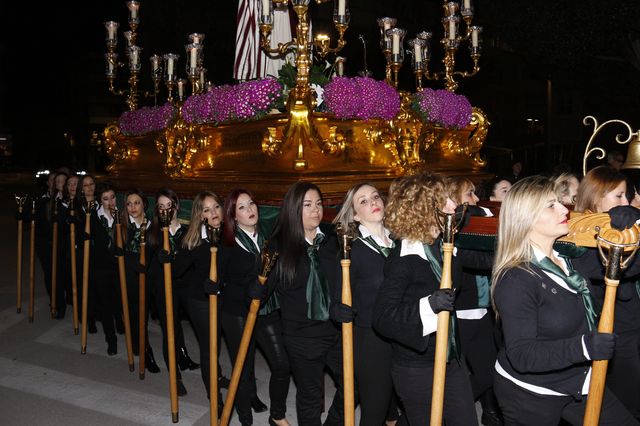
(213, 342)
(347, 349)
(85, 281)
(442, 338)
(125, 299)
(74, 276)
(599, 368)
(54, 268)
(32, 266)
(171, 345)
(142, 311)
(240, 359)
(19, 267)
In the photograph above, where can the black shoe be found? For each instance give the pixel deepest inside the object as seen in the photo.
(491, 418)
(257, 405)
(150, 362)
(112, 348)
(119, 325)
(184, 362)
(91, 326)
(182, 391)
(223, 382)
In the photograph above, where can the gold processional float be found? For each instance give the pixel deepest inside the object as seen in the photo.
(268, 154)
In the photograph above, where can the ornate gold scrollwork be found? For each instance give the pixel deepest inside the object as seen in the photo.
(271, 144)
(116, 145)
(335, 143)
(481, 124)
(179, 143)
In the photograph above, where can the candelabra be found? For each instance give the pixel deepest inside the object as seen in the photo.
(167, 63)
(301, 103)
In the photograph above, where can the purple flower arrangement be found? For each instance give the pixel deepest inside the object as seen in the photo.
(243, 101)
(362, 98)
(443, 108)
(146, 119)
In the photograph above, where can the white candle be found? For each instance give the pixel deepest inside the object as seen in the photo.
(202, 78)
(467, 4)
(340, 68)
(169, 67)
(474, 37)
(265, 7)
(154, 63)
(134, 57)
(194, 57)
(417, 52)
(452, 29)
(110, 65)
(133, 9)
(180, 88)
(396, 44)
(342, 10)
(111, 30)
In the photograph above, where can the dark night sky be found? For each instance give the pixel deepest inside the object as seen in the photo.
(52, 67)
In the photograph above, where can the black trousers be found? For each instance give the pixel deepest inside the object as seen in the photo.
(308, 357)
(414, 386)
(43, 252)
(268, 337)
(372, 364)
(522, 407)
(623, 377)
(106, 287)
(198, 310)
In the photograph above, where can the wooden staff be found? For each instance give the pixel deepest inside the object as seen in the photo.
(165, 218)
(142, 296)
(74, 278)
(268, 261)
(213, 235)
(123, 289)
(85, 275)
(442, 333)
(20, 200)
(32, 260)
(345, 238)
(614, 265)
(54, 260)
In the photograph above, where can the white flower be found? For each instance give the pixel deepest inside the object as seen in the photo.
(319, 93)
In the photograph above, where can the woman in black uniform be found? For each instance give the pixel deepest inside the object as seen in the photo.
(409, 299)
(239, 267)
(372, 353)
(306, 266)
(547, 315)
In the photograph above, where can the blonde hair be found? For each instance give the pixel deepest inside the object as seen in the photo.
(411, 210)
(597, 183)
(520, 210)
(193, 237)
(457, 185)
(347, 211)
(561, 186)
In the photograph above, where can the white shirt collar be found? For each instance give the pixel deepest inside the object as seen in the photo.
(364, 231)
(486, 211)
(540, 255)
(318, 231)
(254, 238)
(132, 220)
(101, 213)
(409, 247)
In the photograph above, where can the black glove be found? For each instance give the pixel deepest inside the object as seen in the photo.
(442, 300)
(255, 290)
(600, 345)
(140, 268)
(117, 251)
(471, 211)
(86, 236)
(623, 217)
(342, 313)
(211, 287)
(164, 256)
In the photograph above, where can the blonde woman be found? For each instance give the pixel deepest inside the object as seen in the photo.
(548, 317)
(409, 299)
(364, 205)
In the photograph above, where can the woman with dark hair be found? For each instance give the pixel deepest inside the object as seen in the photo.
(191, 266)
(602, 189)
(133, 217)
(410, 298)
(307, 265)
(240, 264)
(495, 189)
(167, 200)
(548, 317)
(103, 267)
(364, 205)
(87, 189)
